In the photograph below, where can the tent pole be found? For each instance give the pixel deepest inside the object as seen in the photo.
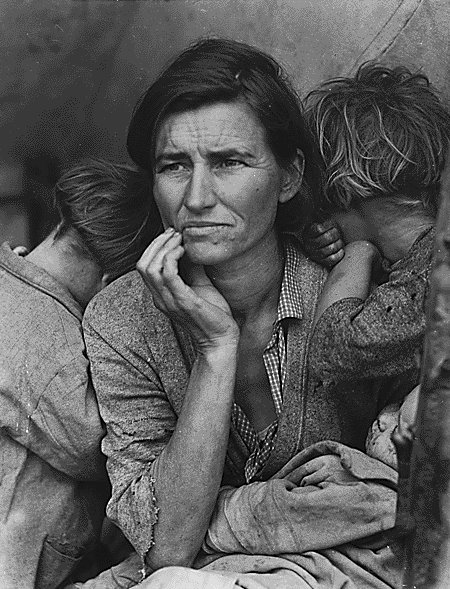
(424, 496)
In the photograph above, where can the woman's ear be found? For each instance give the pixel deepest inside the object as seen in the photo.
(292, 178)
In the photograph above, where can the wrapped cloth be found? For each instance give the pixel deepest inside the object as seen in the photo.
(325, 496)
(324, 521)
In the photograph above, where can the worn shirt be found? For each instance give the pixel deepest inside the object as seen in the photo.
(380, 336)
(52, 474)
(260, 444)
(141, 363)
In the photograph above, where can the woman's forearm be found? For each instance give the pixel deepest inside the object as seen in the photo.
(188, 472)
(352, 497)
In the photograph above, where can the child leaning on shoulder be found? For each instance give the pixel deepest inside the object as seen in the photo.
(383, 135)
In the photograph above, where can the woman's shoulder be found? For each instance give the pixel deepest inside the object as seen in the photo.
(307, 271)
(124, 302)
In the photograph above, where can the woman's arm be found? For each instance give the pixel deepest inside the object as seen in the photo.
(130, 379)
(189, 470)
(329, 494)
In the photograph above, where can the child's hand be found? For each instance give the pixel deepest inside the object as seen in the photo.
(323, 243)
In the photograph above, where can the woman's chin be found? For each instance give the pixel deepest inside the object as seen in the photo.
(206, 254)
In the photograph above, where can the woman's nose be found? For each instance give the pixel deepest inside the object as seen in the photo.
(200, 192)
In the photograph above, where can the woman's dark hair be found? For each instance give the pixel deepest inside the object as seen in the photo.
(222, 70)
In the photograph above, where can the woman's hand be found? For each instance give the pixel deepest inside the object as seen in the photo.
(323, 243)
(189, 469)
(198, 307)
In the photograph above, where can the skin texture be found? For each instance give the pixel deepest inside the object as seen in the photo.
(393, 424)
(217, 186)
(82, 276)
(351, 277)
(214, 177)
(323, 243)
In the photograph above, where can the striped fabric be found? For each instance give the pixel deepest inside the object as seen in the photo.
(260, 444)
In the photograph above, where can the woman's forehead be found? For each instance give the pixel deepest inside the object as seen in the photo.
(217, 126)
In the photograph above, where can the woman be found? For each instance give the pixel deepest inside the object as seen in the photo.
(214, 331)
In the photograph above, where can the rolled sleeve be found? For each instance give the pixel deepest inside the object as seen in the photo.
(279, 516)
(378, 337)
(139, 421)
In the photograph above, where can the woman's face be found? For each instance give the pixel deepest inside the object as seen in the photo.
(217, 181)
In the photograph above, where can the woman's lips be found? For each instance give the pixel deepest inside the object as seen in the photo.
(202, 229)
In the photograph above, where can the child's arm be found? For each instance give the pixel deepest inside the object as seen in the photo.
(351, 277)
(361, 332)
(356, 339)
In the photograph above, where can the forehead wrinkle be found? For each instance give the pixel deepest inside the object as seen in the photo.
(237, 131)
(170, 135)
(225, 131)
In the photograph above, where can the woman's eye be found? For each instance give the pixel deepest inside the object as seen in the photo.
(173, 167)
(230, 163)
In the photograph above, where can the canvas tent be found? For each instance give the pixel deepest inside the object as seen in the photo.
(73, 69)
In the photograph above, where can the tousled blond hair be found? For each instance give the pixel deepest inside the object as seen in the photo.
(383, 132)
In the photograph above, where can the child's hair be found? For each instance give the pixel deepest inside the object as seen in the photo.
(106, 206)
(383, 132)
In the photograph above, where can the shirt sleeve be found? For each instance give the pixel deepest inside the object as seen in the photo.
(282, 516)
(64, 428)
(378, 337)
(139, 421)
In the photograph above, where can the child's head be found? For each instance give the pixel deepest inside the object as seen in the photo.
(400, 417)
(104, 207)
(383, 132)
